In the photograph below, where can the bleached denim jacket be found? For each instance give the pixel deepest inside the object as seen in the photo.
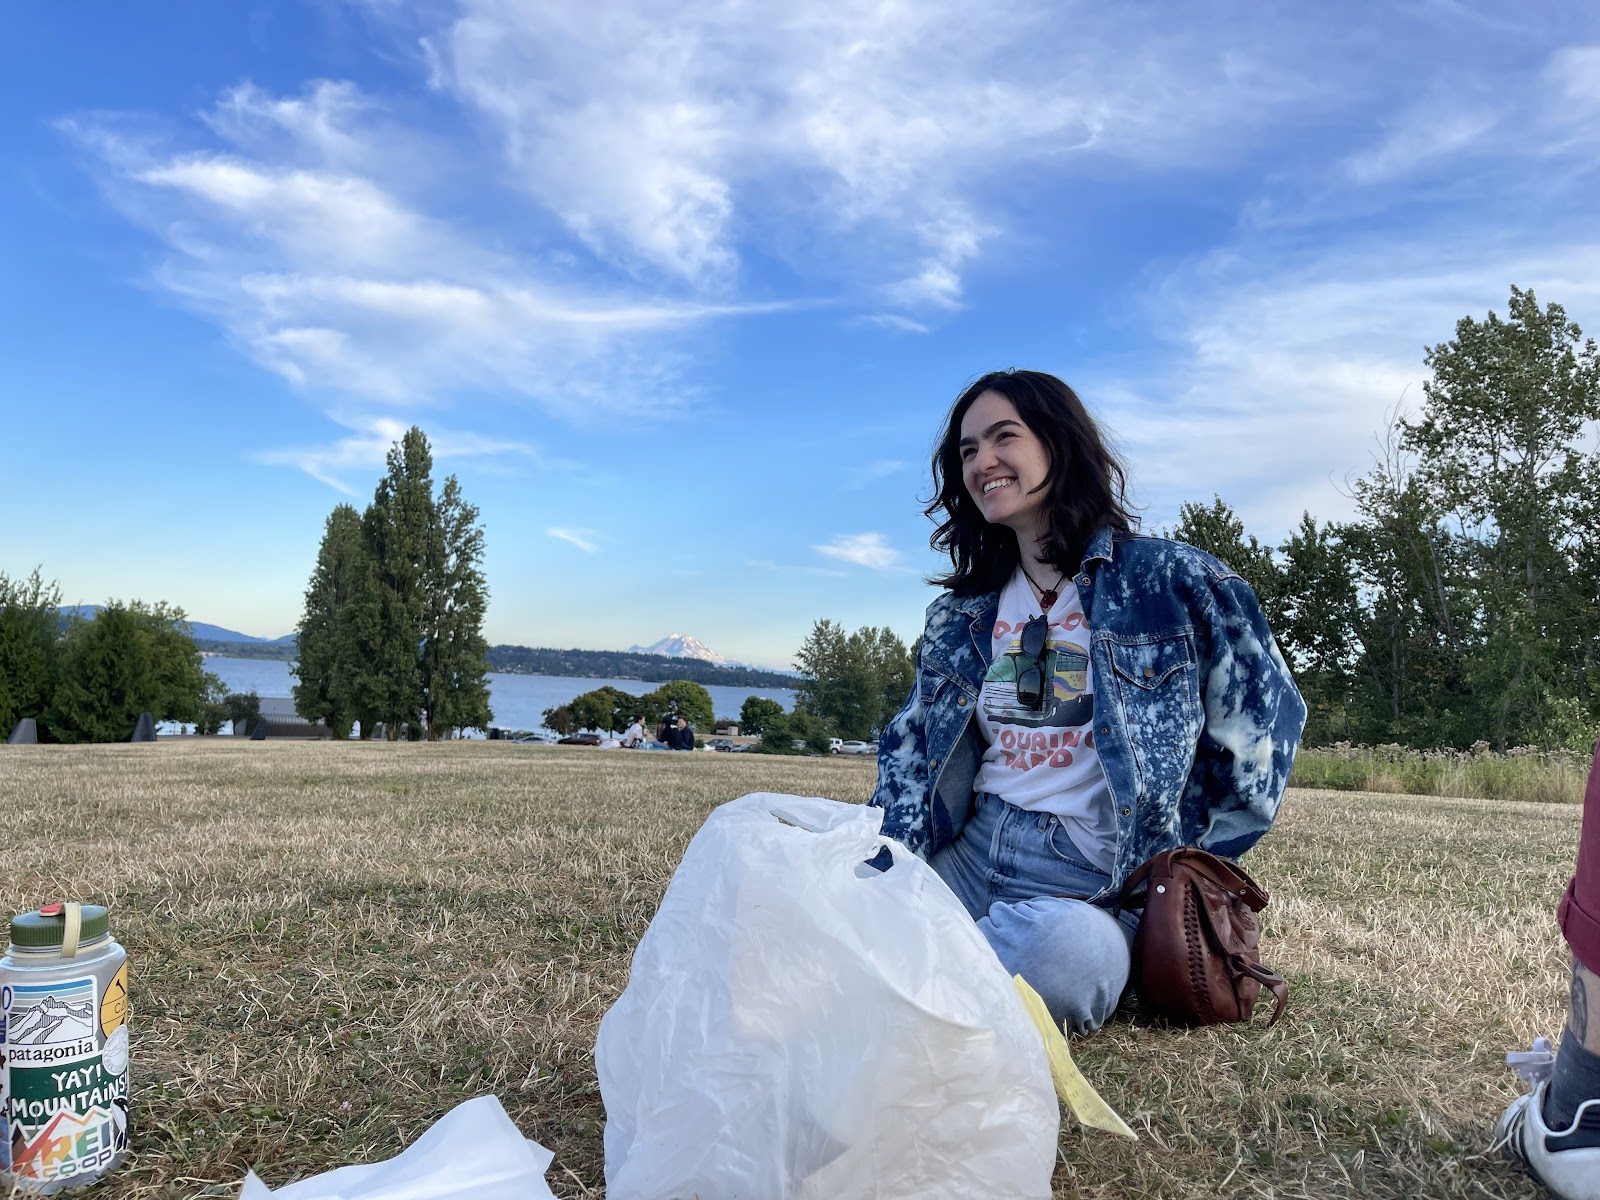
(1196, 716)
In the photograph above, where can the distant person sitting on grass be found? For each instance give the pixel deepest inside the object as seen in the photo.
(633, 736)
(1555, 1131)
(680, 736)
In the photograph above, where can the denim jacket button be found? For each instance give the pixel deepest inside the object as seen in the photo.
(1105, 730)
(961, 701)
(1126, 810)
(1083, 581)
(933, 765)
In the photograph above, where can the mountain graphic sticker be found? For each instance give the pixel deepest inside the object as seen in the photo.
(49, 1014)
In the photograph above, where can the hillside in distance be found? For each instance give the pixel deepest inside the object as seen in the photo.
(536, 660)
(199, 630)
(627, 664)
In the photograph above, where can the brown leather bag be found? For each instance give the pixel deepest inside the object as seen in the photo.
(1195, 960)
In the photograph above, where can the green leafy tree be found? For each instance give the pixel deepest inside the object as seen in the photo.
(1218, 531)
(334, 638)
(783, 730)
(30, 639)
(1500, 448)
(243, 706)
(131, 658)
(606, 709)
(1317, 628)
(1416, 619)
(455, 667)
(561, 719)
(756, 712)
(392, 628)
(853, 682)
(398, 528)
(213, 707)
(679, 698)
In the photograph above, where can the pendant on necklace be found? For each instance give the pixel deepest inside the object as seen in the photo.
(1048, 598)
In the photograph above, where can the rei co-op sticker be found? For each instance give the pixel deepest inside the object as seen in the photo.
(114, 1004)
(63, 1100)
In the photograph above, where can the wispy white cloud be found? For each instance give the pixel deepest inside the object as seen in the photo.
(1420, 137)
(1283, 374)
(583, 539)
(894, 321)
(307, 242)
(867, 474)
(870, 550)
(859, 138)
(364, 449)
(767, 564)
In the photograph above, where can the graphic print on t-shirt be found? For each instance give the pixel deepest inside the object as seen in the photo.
(1066, 666)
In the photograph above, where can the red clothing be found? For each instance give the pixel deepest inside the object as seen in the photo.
(1579, 914)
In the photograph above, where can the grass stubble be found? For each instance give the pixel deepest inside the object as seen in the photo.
(332, 945)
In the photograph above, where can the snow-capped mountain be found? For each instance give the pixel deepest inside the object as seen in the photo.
(681, 645)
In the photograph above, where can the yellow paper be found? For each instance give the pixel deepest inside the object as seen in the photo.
(1071, 1086)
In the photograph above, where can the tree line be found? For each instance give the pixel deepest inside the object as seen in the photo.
(851, 684)
(1461, 604)
(391, 635)
(625, 664)
(89, 679)
(609, 709)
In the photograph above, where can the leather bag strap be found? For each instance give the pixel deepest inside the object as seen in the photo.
(1228, 876)
(1267, 978)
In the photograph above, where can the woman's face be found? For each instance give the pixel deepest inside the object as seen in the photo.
(1004, 465)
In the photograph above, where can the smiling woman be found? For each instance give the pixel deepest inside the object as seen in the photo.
(1085, 699)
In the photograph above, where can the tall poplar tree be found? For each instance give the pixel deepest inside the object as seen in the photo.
(334, 637)
(455, 666)
(392, 629)
(398, 527)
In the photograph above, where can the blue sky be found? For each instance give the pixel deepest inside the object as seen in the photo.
(681, 291)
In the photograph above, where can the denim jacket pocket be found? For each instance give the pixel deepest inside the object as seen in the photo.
(1158, 689)
(1149, 664)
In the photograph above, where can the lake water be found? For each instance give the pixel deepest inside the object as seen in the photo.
(517, 701)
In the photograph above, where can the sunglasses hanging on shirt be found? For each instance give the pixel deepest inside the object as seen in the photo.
(1031, 679)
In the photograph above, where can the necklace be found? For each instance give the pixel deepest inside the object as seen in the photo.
(1047, 596)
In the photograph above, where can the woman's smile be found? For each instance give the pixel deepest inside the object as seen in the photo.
(1005, 465)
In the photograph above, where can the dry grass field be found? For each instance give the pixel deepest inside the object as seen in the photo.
(334, 944)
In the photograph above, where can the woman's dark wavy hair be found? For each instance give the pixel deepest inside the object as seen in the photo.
(1087, 486)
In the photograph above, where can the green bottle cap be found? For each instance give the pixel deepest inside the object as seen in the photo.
(44, 928)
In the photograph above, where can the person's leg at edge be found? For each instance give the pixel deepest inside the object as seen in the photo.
(1555, 1131)
(1577, 1071)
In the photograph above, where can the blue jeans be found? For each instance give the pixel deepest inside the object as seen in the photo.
(1012, 869)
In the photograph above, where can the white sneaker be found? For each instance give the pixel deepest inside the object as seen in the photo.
(1567, 1161)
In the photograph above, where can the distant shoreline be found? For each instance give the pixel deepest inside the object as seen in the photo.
(584, 664)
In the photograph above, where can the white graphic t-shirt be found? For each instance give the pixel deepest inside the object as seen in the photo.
(1045, 760)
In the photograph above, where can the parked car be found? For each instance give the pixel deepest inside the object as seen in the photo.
(720, 743)
(580, 739)
(854, 747)
(535, 739)
(834, 744)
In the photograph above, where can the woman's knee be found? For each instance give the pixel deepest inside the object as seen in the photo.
(1073, 954)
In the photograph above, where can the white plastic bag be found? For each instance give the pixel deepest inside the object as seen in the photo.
(799, 1026)
(472, 1151)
